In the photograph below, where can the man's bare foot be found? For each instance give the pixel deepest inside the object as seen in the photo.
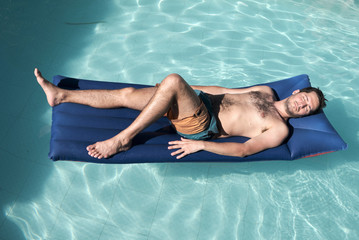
(54, 94)
(108, 148)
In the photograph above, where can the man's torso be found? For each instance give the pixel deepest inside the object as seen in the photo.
(247, 114)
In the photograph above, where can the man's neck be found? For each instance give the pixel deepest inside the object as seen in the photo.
(280, 107)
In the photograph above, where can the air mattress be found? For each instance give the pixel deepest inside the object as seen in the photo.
(76, 126)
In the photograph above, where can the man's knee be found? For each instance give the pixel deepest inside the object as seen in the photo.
(173, 80)
(174, 76)
(127, 91)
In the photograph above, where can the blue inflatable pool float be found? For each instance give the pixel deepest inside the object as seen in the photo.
(76, 126)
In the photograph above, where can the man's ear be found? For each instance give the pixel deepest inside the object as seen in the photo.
(296, 91)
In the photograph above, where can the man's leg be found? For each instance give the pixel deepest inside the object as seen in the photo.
(126, 97)
(173, 92)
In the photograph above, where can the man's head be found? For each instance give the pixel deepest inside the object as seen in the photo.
(304, 102)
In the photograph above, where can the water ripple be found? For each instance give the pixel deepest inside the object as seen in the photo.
(228, 43)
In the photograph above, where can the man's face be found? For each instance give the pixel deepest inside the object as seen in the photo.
(301, 104)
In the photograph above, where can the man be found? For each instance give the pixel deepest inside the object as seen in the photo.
(198, 113)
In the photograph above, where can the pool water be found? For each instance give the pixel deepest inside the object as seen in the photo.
(213, 42)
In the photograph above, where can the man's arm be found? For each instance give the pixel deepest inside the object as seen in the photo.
(216, 90)
(269, 139)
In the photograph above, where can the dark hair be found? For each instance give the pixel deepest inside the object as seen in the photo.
(321, 97)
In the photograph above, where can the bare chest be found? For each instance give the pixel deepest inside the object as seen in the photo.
(259, 103)
(247, 114)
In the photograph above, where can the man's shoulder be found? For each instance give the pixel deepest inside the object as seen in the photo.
(263, 89)
(281, 127)
(259, 88)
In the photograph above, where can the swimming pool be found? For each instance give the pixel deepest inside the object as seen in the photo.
(226, 43)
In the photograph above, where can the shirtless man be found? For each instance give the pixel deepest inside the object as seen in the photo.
(196, 115)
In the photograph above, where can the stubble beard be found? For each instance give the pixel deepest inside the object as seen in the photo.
(289, 111)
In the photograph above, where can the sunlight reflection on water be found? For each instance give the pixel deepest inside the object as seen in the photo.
(225, 43)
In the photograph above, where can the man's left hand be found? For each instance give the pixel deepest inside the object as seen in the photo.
(185, 147)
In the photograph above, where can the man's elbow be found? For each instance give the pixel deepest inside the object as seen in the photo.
(241, 153)
(237, 150)
(246, 150)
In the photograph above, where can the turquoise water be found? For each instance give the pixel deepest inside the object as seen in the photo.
(228, 43)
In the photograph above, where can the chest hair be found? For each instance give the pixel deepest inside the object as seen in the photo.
(263, 102)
